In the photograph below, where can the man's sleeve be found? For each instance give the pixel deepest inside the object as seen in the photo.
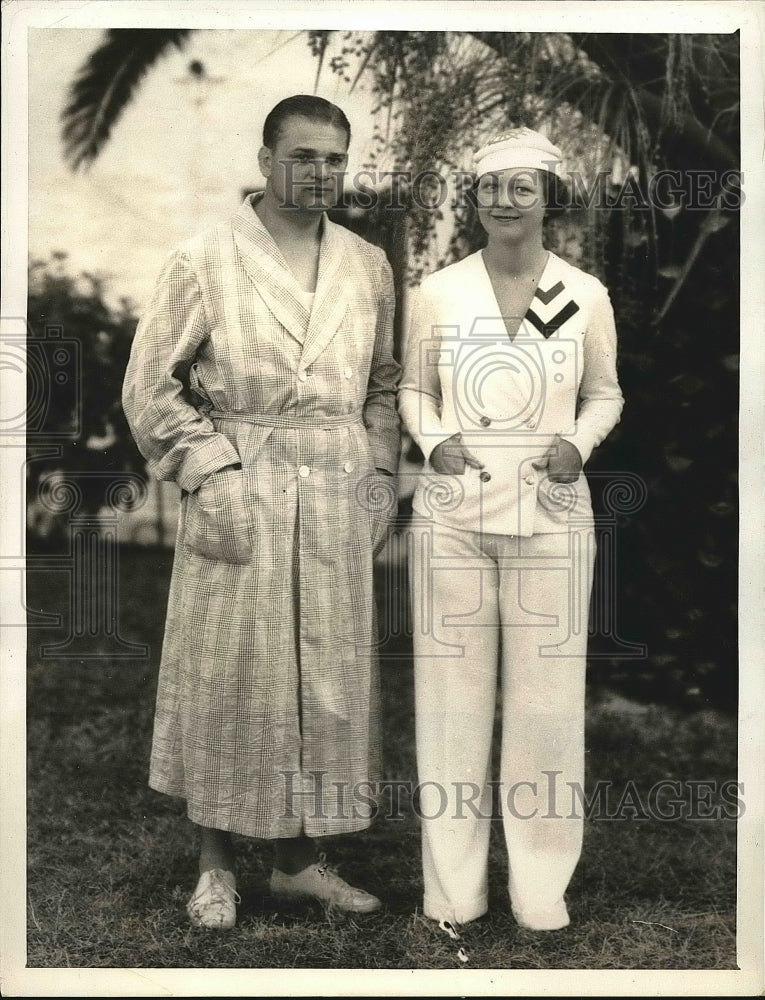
(600, 398)
(179, 443)
(380, 416)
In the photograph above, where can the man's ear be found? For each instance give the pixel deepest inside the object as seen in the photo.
(265, 161)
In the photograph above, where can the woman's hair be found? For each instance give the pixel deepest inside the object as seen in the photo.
(304, 106)
(557, 195)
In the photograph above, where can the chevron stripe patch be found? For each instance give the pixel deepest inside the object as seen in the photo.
(549, 328)
(550, 294)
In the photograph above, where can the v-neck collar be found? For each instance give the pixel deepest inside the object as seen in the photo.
(536, 292)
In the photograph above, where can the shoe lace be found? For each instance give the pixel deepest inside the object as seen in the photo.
(220, 890)
(323, 867)
(329, 872)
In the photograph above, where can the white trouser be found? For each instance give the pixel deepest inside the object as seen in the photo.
(476, 597)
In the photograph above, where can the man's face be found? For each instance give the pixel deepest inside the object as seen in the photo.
(305, 167)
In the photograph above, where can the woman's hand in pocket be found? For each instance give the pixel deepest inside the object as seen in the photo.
(562, 462)
(451, 457)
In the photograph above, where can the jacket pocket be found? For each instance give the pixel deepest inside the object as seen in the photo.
(563, 501)
(217, 524)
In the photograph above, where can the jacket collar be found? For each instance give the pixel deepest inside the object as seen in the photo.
(550, 305)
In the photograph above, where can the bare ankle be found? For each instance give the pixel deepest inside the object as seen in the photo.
(216, 850)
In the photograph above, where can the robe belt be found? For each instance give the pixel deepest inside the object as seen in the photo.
(284, 421)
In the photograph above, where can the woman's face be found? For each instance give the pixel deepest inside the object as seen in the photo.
(511, 205)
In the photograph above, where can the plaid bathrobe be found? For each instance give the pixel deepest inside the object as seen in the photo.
(267, 717)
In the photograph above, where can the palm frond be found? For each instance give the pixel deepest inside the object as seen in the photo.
(106, 83)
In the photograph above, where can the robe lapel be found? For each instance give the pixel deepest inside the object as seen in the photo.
(332, 297)
(264, 263)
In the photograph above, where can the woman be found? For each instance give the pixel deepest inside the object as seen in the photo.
(510, 382)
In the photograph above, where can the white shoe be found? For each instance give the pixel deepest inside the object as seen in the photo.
(214, 901)
(321, 882)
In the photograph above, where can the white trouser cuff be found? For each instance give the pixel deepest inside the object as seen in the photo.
(440, 909)
(553, 919)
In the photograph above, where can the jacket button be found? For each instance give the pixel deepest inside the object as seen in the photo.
(348, 467)
(302, 376)
(348, 372)
(485, 476)
(304, 472)
(485, 422)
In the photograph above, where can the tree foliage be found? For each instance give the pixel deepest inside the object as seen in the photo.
(106, 84)
(614, 103)
(78, 350)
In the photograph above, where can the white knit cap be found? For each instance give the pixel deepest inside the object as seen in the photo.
(518, 147)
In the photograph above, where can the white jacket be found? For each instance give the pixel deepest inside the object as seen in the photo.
(509, 399)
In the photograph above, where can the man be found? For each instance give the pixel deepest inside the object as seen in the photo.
(262, 381)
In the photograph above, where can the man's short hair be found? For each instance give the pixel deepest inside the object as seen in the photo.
(305, 106)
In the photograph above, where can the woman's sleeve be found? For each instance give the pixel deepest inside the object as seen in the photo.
(600, 398)
(178, 442)
(419, 397)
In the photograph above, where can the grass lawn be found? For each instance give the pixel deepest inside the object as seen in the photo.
(111, 863)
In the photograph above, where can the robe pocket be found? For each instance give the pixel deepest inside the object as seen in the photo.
(218, 525)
